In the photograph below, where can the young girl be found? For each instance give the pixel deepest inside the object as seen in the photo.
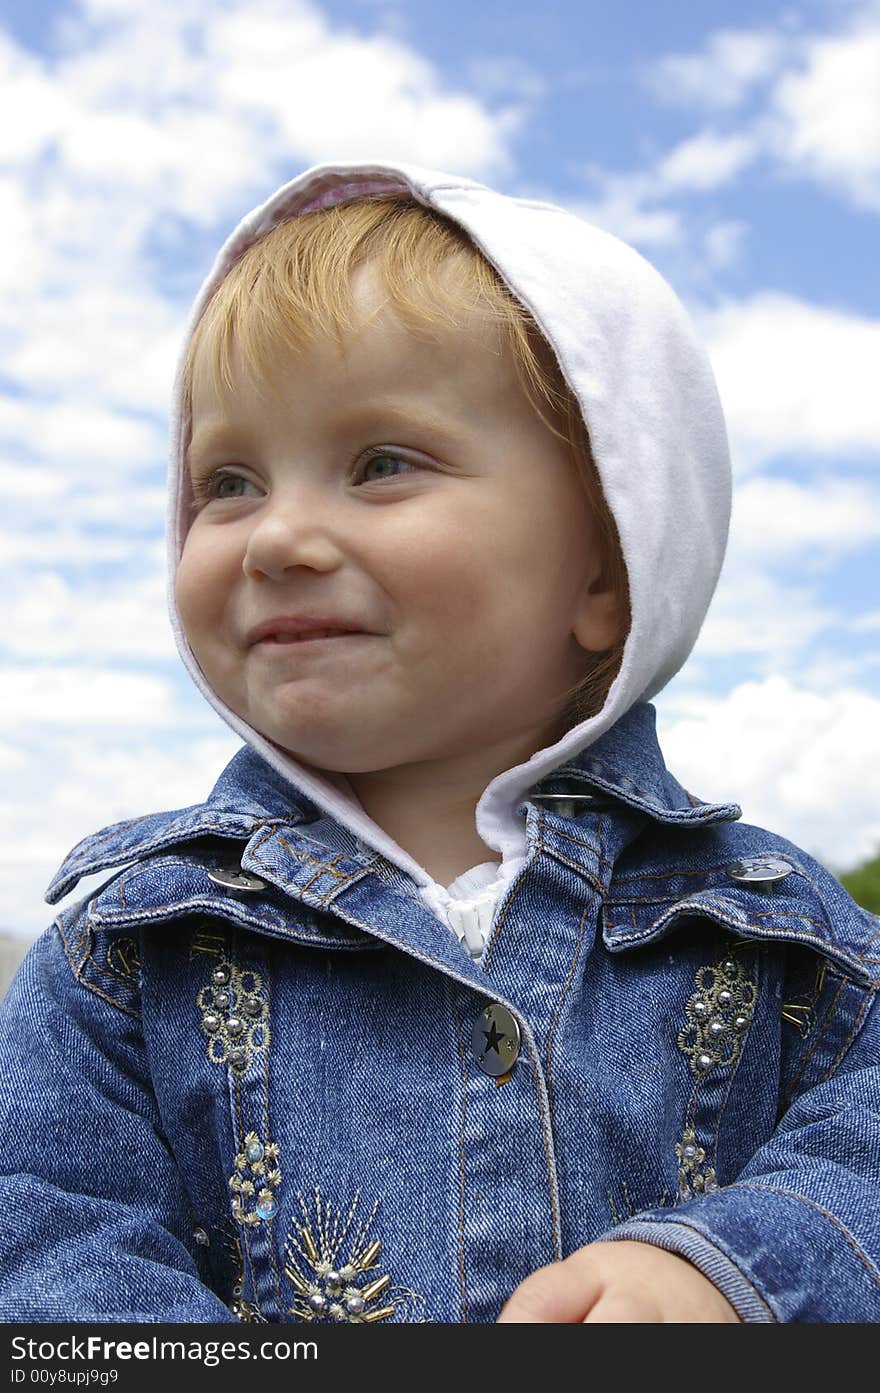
(449, 1004)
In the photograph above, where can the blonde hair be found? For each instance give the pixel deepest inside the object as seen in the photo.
(294, 285)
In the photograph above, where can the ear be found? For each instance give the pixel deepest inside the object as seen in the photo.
(599, 619)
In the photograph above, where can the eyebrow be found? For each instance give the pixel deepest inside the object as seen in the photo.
(357, 418)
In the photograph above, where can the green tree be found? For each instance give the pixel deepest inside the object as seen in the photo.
(864, 884)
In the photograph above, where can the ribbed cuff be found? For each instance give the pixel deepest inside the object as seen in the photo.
(675, 1237)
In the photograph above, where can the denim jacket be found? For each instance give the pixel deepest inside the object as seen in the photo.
(252, 1077)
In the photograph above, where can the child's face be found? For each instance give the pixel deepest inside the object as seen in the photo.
(407, 497)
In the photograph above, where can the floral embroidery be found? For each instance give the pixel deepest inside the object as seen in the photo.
(694, 1176)
(234, 1016)
(124, 958)
(333, 1268)
(254, 1181)
(718, 1016)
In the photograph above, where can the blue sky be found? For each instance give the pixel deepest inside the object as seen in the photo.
(736, 145)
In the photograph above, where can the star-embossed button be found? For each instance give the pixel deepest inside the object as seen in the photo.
(495, 1040)
(234, 878)
(760, 872)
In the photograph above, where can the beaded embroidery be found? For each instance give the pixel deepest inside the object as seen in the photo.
(332, 1266)
(234, 1016)
(693, 1174)
(124, 958)
(718, 1016)
(254, 1181)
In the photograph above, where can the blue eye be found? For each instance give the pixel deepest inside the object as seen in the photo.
(221, 484)
(384, 466)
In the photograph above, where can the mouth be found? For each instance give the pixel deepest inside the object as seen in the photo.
(285, 630)
(310, 636)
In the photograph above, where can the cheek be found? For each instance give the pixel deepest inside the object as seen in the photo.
(198, 586)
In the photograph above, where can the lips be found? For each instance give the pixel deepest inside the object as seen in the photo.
(299, 629)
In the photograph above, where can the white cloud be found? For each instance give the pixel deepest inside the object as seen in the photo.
(755, 613)
(827, 115)
(867, 623)
(818, 114)
(89, 623)
(778, 518)
(705, 161)
(731, 64)
(795, 378)
(799, 762)
(621, 206)
(67, 790)
(723, 243)
(77, 696)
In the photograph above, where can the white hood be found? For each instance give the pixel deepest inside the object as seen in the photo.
(630, 354)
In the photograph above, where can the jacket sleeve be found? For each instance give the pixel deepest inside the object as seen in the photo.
(96, 1221)
(796, 1237)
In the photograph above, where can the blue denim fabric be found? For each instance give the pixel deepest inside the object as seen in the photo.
(218, 1101)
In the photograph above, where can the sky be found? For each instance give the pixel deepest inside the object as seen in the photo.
(736, 145)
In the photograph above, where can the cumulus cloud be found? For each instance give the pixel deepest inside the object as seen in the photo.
(88, 623)
(795, 378)
(84, 785)
(799, 762)
(76, 696)
(756, 613)
(779, 518)
(703, 162)
(814, 108)
(827, 114)
(721, 75)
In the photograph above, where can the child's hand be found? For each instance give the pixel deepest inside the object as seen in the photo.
(618, 1282)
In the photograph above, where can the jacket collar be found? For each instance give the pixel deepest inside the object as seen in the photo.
(625, 764)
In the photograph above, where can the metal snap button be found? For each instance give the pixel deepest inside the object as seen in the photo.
(495, 1040)
(760, 872)
(234, 878)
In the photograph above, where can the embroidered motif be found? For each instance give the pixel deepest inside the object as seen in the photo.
(332, 1265)
(206, 941)
(718, 1016)
(234, 1016)
(694, 1176)
(123, 957)
(254, 1181)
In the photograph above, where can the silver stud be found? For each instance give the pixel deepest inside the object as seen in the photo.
(235, 1026)
(237, 1058)
(354, 1304)
(220, 976)
(729, 966)
(717, 1028)
(760, 872)
(201, 1237)
(333, 1282)
(234, 878)
(211, 1021)
(253, 1006)
(740, 1022)
(318, 1302)
(704, 1061)
(689, 1151)
(254, 1151)
(221, 999)
(725, 997)
(701, 1008)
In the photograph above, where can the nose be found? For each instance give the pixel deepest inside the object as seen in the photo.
(290, 533)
